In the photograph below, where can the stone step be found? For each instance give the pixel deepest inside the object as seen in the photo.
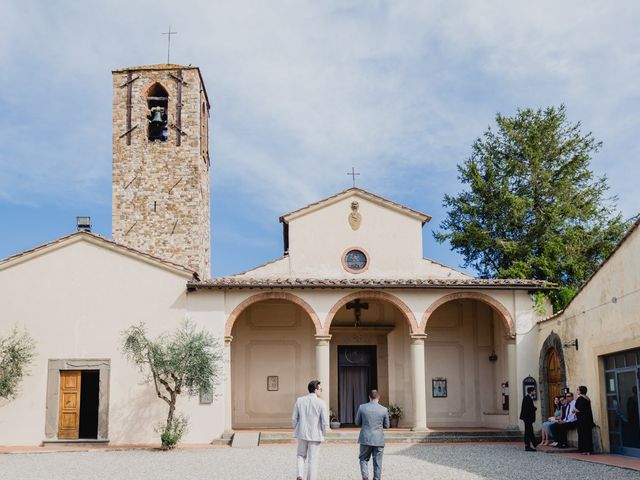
(404, 436)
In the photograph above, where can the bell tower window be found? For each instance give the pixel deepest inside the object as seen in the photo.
(158, 102)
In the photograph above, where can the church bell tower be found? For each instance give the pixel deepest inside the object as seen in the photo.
(160, 187)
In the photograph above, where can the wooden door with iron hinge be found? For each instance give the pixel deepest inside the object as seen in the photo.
(69, 414)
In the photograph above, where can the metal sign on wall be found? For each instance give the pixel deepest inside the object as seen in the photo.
(530, 382)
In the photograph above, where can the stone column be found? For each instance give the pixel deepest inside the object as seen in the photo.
(514, 387)
(228, 401)
(323, 367)
(418, 377)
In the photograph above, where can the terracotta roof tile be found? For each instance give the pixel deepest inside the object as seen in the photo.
(231, 282)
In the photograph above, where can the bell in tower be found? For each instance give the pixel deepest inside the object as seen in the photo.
(157, 101)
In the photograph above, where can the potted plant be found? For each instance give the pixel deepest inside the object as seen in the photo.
(395, 412)
(333, 419)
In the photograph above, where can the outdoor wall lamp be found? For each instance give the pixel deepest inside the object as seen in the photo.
(573, 343)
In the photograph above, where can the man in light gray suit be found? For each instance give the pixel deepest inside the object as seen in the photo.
(310, 423)
(373, 418)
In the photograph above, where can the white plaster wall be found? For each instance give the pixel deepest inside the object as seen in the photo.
(75, 301)
(600, 325)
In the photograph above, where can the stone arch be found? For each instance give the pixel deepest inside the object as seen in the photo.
(552, 342)
(481, 297)
(372, 295)
(259, 297)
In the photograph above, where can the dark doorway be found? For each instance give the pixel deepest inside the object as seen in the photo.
(357, 374)
(89, 391)
(622, 382)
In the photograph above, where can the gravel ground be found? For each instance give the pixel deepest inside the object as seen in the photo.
(338, 462)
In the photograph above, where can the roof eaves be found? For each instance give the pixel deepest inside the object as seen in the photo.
(75, 236)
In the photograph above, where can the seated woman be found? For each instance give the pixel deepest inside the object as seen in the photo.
(546, 426)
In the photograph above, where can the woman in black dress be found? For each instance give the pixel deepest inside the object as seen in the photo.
(585, 424)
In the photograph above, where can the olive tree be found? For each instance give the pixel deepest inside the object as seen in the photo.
(184, 361)
(16, 353)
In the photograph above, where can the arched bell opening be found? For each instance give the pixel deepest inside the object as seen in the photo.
(158, 105)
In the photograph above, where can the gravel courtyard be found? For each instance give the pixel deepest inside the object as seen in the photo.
(338, 462)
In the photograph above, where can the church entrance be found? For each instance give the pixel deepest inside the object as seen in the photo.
(370, 348)
(357, 374)
(78, 409)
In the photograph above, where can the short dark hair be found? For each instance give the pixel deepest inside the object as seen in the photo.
(582, 389)
(531, 389)
(568, 394)
(313, 385)
(373, 394)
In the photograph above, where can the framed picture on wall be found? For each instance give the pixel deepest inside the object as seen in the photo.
(272, 383)
(439, 387)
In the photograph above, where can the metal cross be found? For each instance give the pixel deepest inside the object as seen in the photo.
(357, 308)
(168, 34)
(353, 174)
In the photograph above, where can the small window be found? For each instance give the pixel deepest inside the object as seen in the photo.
(158, 102)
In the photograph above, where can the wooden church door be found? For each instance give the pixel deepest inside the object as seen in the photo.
(554, 379)
(69, 414)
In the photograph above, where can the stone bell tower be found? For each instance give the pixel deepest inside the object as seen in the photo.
(161, 164)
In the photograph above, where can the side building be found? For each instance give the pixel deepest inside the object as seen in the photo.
(595, 342)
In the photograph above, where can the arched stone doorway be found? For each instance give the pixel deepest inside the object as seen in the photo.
(272, 358)
(370, 348)
(553, 373)
(468, 349)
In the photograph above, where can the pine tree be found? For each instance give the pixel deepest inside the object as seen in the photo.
(533, 208)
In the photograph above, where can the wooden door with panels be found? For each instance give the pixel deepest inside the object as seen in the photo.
(69, 413)
(554, 379)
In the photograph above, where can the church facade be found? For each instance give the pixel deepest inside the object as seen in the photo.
(352, 302)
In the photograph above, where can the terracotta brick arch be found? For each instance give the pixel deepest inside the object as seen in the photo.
(260, 297)
(373, 295)
(481, 297)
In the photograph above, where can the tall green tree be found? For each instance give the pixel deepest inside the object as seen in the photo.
(16, 353)
(185, 361)
(532, 207)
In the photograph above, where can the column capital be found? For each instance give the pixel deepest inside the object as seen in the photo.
(323, 339)
(228, 339)
(418, 338)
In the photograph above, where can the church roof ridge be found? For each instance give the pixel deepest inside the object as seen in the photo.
(157, 66)
(21, 256)
(505, 283)
(364, 193)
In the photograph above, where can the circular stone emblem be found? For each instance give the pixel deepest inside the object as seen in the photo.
(355, 260)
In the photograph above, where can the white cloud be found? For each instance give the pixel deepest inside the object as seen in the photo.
(304, 90)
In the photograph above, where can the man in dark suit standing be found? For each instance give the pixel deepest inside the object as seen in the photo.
(373, 418)
(528, 416)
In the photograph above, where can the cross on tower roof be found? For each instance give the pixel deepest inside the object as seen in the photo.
(353, 174)
(168, 34)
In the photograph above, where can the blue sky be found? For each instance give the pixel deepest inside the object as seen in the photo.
(301, 92)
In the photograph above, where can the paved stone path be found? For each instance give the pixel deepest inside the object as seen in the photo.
(338, 462)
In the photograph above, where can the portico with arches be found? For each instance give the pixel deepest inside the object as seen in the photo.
(354, 303)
